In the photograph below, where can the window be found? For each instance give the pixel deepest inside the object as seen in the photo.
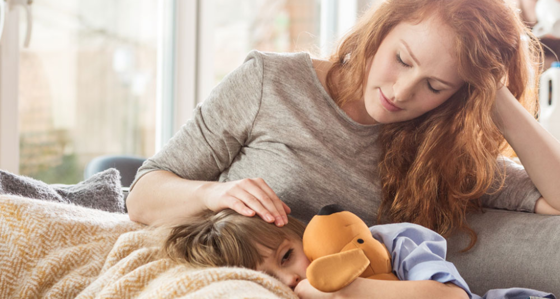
(114, 77)
(230, 29)
(87, 85)
(266, 25)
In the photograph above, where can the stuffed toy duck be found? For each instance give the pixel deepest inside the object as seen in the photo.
(341, 248)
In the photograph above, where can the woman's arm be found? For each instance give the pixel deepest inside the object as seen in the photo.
(538, 150)
(371, 288)
(161, 197)
(180, 180)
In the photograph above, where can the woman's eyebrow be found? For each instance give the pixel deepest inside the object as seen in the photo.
(409, 52)
(418, 63)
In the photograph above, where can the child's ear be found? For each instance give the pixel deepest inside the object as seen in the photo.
(333, 272)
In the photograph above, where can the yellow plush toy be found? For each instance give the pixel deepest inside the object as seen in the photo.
(341, 248)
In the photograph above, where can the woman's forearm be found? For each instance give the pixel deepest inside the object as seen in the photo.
(161, 197)
(429, 289)
(537, 149)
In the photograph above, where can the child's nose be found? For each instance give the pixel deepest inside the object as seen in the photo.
(292, 280)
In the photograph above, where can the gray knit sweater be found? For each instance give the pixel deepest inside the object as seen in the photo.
(272, 119)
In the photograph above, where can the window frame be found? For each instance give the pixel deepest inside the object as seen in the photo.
(9, 82)
(177, 106)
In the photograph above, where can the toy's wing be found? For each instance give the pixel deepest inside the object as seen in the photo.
(331, 273)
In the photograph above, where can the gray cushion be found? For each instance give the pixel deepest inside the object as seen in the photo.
(127, 166)
(514, 249)
(101, 191)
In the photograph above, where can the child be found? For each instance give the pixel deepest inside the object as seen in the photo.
(229, 239)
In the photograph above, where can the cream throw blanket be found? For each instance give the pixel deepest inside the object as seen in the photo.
(53, 250)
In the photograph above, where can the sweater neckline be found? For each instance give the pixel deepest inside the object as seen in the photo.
(331, 101)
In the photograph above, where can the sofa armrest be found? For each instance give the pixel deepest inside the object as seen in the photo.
(514, 249)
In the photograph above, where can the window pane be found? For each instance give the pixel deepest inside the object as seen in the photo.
(266, 25)
(87, 85)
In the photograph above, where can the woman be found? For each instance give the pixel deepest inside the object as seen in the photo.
(405, 122)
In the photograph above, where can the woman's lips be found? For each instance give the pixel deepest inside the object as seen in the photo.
(388, 105)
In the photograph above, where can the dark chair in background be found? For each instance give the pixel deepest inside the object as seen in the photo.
(126, 165)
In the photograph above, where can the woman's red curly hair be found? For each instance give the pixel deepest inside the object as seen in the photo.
(435, 168)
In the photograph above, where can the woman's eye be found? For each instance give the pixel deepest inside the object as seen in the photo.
(287, 256)
(432, 89)
(400, 60)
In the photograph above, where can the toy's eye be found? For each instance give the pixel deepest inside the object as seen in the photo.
(360, 241)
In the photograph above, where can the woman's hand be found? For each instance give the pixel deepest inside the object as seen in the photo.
(305, 290)
(246, 197)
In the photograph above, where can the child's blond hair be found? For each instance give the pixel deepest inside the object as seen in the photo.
(227, 238)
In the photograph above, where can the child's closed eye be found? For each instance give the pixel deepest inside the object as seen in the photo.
(287, 256)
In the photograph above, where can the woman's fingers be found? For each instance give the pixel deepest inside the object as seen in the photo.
(254, 204)
(280, 212)
(257, 195)
(247, 197)
(287, 209)
(240, 207)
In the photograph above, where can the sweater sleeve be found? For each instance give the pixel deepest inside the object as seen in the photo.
(207, 144)
(518, 193)
(418, 253)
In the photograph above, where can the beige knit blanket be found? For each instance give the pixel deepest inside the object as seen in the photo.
(53, 250)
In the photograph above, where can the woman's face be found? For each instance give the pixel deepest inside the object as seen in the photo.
(413, 72)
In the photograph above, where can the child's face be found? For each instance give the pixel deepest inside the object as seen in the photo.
(287, 263)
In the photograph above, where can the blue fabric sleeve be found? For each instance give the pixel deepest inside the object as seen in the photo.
(418, 253)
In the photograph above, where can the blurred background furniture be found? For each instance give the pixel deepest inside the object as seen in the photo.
(550, 42)
(126, 165)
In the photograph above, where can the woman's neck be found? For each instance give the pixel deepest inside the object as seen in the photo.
(354, 109)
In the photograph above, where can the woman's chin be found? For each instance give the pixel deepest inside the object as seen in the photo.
(384, 117)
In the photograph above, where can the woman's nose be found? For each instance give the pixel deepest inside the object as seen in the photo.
(403, 90)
